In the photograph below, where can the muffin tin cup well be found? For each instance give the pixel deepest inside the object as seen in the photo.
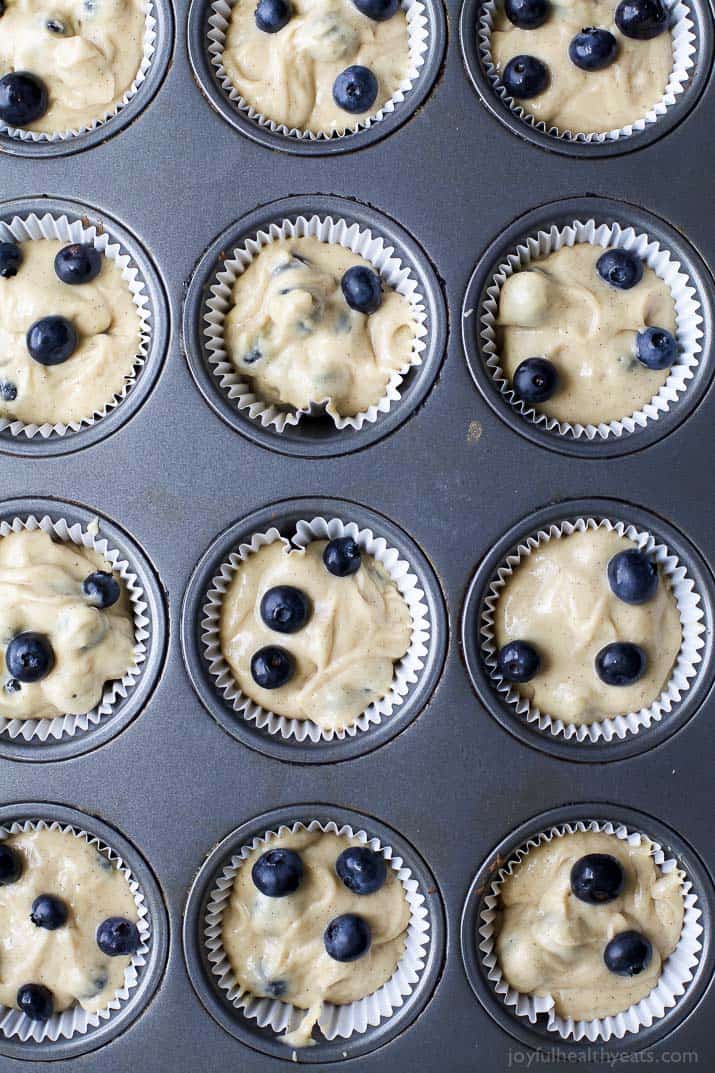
(51, 218)
(208, 23)
(74, 1031)
(531, 1019)
(70, 735)
(302, 740)
(615, 737)
(156, 56)
(691, 31)
(345, 1031)
(599, 223)
(392, 252)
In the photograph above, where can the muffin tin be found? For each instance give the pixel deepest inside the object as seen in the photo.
(450, 476)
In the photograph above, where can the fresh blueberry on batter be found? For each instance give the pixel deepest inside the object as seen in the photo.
(342, 556)
(378, 10)
(620, 268)
(56, 26)
(10, 259)
(621, 663)
(78, 263)
(10, 865)
(285, 609)
(535, 380)
(597, 878)
(118, 937)
(36, 1001)
(361, 869)
(527, 14)
(633, 576)
(272, 667)
(48, 912)
(101, 589)
(642, 19)
(273, 15)
(656, 348)
(525, 77)
(518, 661)
(29, 656)
(8, 391)
(12, 686)
(628, 953)
(23, 98)
(347, 937)
(355, 89)
(51, 340)
(277, 872)
(362, 289)
(593, 49)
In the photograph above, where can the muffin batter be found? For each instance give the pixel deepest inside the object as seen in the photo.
(359, 626)
(107, 325)
(291, 332)
(587, 101)
(273, 941)
(87, 62)
(41, 590)
(288, 76)
(561, 309)
(558, 599)
(549, 942)
(67, 960)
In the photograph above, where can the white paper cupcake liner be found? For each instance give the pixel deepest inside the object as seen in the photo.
(60, 228)
(684, 53)
(688, 318)
(74, 1020)
(372, 248)
(677, 969)
(148, 50)
(407, 670)
(689, 604)
(335, 1021)
(66, 726)
(418, 38)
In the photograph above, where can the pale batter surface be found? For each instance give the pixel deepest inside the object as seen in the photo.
(345, 654)
(108, 330)
(549, 942)
(41, 591)
(559, 600)
(271, 940)
(587, 101)
(67, 960)
(288, 76)
(88, 68)
(291, 332)
(561, 309)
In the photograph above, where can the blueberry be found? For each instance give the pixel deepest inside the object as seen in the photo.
(272, 15)
(12, 685)
(272, 667)
(29, 657)
(342, 556)
(378, 10)
(355, 89)
(347, 937)
(620, 268)
(285, 609)
(535, 380)
(518, 661)
(641, 19)
(36, 1001)
(48, 912)
(8, 391)
(593, 49)
(362, 289)
(620, 663)
(277, 988)
(361, 869)
(633, 577)
(118, 937)
(527, 14)
(51, 341)
(277, 872)
(628, 953)
(23, 98)
(525, 77)
(10, 259)
(101, 589)
(656, 348)
(55, 26)
(10, 865)
(597, 878)
(78, 263)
